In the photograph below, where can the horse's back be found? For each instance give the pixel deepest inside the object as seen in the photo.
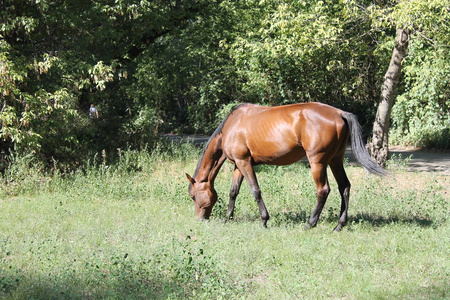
(282, 134)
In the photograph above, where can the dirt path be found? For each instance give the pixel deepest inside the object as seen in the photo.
(424, 160)
(417, 160)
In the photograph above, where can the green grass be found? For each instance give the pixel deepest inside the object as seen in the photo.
(128, 231)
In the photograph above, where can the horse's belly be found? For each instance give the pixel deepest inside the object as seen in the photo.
(280, 157)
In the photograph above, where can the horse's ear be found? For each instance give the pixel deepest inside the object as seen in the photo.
(192, 180)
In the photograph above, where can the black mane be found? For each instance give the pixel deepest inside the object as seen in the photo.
(215, 133)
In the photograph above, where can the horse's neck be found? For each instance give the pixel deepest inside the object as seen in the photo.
(211, 160)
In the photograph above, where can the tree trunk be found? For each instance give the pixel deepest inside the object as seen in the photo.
(379, 144)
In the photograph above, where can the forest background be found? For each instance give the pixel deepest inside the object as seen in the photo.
(158, 66)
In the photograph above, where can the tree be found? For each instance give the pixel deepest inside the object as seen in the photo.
(379, 144)
(421, 114)
(418, 22)
(311, 51)
(58, 57)
(178, 65)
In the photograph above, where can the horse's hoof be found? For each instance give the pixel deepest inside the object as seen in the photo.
(338, 228)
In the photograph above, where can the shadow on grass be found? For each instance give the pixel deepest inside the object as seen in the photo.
(292, 218)
(180, 269)
(277, 219)
(135, 287)
(378, 221)
(289, 218)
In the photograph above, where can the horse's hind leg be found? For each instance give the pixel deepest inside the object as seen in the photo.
(319, 172)
(247, 170)
(344, 190)
(234, 191)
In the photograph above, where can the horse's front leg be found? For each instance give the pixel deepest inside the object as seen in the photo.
(248, 172)
(234, 191)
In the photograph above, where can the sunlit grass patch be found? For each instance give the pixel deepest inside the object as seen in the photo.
(119, 233)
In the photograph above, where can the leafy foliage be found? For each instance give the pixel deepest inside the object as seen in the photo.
(421, 116)
(152, 66)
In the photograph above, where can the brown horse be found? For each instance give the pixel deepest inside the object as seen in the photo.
(253, 134)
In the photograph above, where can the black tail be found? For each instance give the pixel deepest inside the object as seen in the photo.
(358, 148)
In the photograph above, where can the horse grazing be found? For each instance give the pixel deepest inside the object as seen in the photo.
(282, 135)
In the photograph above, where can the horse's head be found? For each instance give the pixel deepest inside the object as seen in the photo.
(204, 196)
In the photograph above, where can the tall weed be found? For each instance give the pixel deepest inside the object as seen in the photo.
(23, 174)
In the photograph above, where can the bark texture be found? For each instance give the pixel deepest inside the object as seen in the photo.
(379, 145)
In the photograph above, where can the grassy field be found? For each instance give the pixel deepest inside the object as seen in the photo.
(128, 231)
